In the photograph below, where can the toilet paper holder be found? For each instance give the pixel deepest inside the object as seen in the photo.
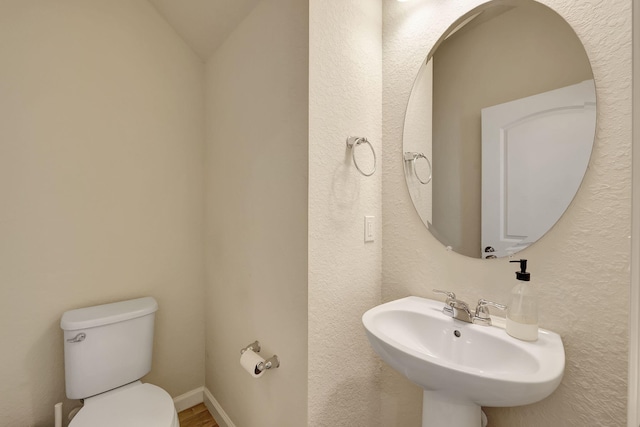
(272, 362)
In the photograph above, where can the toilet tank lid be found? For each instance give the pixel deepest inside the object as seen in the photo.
(105, 314)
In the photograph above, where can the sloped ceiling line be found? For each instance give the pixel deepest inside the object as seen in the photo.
(204, 24)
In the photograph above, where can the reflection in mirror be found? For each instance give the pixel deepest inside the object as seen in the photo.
(504, 110)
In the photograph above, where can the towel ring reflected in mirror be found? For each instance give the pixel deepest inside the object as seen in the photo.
(412, 158)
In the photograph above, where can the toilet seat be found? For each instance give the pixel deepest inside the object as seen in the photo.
(134, 405)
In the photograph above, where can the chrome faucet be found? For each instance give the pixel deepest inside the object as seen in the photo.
(454, 307)
(459, 309)
(482, 315)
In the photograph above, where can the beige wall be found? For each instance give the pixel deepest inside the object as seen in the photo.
(256, 214)
(344, 272)
(497, 54)
(580, 266)
(101, 142)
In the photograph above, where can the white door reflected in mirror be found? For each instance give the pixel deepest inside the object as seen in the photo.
(533, 157)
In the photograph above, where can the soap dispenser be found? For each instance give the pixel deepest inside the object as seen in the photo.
(522, 314)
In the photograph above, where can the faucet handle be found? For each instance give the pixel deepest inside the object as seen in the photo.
(449, 307)
(450, 295)
(482, 315)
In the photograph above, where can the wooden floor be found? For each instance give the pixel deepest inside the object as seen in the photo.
(197, 416)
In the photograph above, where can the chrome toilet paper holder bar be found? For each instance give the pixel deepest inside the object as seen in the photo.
(270, 363)
(254, 346)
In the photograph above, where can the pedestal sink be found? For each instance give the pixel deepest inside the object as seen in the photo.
(462, 366)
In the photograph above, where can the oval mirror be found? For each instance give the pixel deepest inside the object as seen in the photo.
(499, 128)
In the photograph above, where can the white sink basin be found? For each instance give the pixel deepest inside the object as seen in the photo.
(483, 366)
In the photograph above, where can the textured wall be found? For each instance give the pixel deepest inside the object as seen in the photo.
(344, 272)
(634, 326)
(580, 267)
(256, 214)
(101, 144)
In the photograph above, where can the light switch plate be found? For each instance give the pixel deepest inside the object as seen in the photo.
(368, 228)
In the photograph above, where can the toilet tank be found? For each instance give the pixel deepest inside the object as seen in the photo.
(107, 346)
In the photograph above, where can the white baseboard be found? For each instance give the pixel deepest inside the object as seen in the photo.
(189, 399)
(216, 410)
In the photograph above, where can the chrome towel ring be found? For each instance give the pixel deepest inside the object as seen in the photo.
(352, 143)
(412, 158)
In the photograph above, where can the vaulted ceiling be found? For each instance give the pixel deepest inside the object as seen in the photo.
(204, 24)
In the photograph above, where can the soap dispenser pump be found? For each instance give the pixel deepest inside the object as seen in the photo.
(522, 314)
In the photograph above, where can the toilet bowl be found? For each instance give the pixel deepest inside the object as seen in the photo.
(107, 349)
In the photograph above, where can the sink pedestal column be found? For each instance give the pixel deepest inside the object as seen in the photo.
(439, 410)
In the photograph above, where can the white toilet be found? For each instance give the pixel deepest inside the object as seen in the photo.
(107, 349)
